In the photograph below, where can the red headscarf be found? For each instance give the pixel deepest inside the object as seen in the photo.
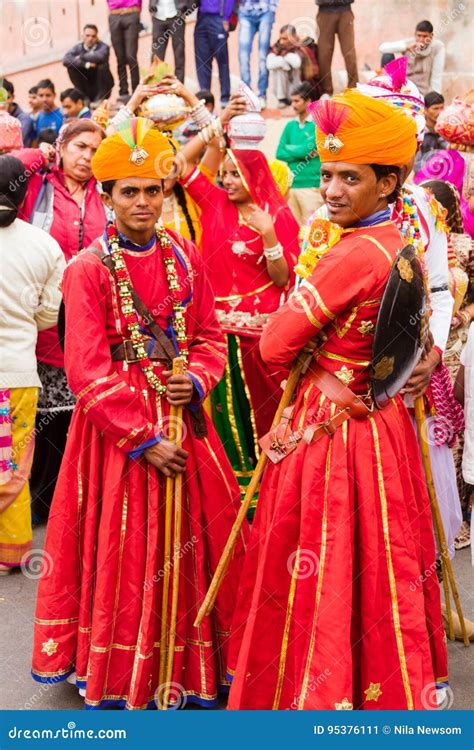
(259, 182)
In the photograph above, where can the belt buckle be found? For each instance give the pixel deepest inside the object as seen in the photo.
(129, 361)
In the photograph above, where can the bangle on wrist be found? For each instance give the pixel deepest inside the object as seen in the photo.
(273, 253)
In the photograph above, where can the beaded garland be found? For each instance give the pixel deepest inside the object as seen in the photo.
(128, 309)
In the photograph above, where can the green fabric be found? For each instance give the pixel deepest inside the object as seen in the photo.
(297, 148)
(230, 403)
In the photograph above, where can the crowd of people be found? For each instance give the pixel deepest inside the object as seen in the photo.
(160, 283)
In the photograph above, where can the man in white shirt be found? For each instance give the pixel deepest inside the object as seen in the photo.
(169, 18)
(32, 265)
(425, 56)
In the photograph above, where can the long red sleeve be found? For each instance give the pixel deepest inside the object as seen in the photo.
(105, 397)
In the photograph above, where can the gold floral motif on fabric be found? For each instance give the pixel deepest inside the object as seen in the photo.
(344, 375)
(49, 647)
(373, 692)
(366, 328)
(344, 705)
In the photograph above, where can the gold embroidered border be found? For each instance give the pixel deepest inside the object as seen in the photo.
(286, 631)
(322, 560)
(379, 245)
(94, 383)
(340, 358)
(103, 395)
(52, 674)
(390, 572)
(307, 310)
(245, 294)
(247, 393)
(232, 420)
(40, 621)
(123, 528)
(318, 299)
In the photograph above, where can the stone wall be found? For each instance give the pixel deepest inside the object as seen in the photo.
(36, 33)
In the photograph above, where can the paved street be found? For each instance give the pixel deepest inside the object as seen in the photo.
(19, 691)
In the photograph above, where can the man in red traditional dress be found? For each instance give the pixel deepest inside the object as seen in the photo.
(98, 616)
(342, 540)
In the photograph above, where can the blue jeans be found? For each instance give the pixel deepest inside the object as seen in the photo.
(248, 27)
(210, 41)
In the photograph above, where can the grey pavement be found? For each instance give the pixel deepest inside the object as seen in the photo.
(19, 691)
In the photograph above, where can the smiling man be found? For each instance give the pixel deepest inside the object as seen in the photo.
(343, 522)
(134, 300)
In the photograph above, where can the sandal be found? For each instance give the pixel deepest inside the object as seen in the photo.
(463, 538)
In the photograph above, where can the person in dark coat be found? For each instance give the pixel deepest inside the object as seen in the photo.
(87, 64)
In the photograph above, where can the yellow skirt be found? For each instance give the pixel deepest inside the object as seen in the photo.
(15, 510)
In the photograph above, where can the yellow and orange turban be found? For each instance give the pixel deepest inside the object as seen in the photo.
(135, 150)
(360, 130)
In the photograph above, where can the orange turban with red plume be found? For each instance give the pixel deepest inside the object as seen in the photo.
(360, 130)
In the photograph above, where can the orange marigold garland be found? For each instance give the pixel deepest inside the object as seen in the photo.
(128, 309)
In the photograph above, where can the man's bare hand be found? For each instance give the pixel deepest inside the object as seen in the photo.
(180, 388)
(421, 375)
(167, 458)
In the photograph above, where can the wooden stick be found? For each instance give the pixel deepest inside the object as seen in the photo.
(169, 493)
(176, 435)
(226, 556)
(446, 566)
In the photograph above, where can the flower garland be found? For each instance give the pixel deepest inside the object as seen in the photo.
(130, 314)
(318, 238)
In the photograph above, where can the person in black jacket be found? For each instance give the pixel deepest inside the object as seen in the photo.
(169, 19)
(87, 64)
(336, 17)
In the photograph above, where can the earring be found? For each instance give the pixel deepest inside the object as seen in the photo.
(382, 195)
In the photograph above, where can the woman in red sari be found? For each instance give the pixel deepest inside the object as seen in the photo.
(249, 246)
(98, 616)
(335, 608)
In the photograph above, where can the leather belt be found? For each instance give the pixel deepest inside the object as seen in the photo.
(280, 441)
(125, 351)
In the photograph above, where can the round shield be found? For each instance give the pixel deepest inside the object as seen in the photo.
(401, 329)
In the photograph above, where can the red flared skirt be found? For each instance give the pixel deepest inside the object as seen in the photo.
(99, 603)
(339, 602)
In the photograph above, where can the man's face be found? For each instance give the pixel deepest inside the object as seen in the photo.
(71, 108)
(352, 192)
(137, 202)
(89, 37)
(431, 114)
(47, 97)
(286, 40)
(299, 105)
(423, 39)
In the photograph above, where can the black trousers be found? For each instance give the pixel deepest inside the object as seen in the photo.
(95, 83)
(50, 441)
(124, 30)
(164, 30)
